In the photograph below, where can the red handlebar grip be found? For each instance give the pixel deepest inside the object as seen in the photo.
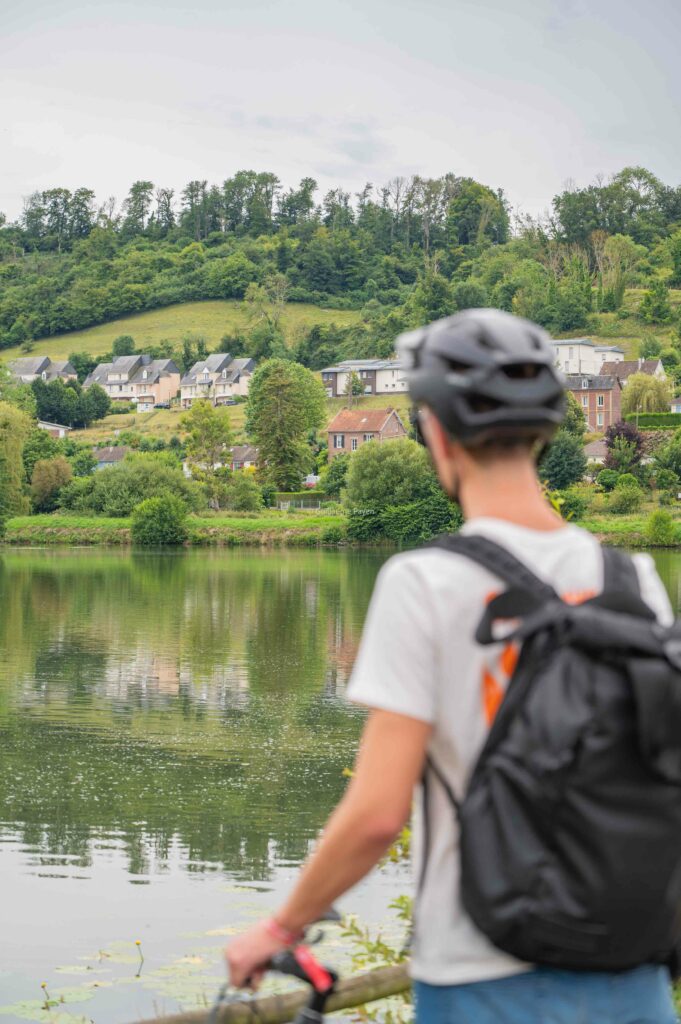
(319, 977)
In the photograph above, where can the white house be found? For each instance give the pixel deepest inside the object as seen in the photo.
(219, 379)
(579, 355)
(377, 376)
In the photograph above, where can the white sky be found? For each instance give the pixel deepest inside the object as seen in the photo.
(522, 94)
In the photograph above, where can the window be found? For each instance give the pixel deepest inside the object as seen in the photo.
(585, 401)
(585, 383)
(145, 374)
(600, 401)
(368, 437)
(339, 440)
(224, 374)
(599, 419)
(571, 353)
(353, 444)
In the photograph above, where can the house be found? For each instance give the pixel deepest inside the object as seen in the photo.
(599, 396)
(218, 379)
(57, 430)
(675, 405)
(352, 427)
(595, 452)
(624, 369)
(243, 456)
(110, 456)
(33, 368)
(377, 376)
(138, 378)
(580, 355)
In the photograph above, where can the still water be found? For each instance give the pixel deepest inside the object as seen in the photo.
(173, 733)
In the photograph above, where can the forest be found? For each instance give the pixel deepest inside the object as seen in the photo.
(403, 253)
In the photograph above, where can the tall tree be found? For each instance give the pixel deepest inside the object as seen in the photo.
(285, 402)
(15, 426)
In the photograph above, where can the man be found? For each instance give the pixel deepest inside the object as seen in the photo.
(489, 399)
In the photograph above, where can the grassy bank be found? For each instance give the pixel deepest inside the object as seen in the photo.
(270, 528)
(209, 319)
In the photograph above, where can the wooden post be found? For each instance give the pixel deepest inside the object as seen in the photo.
(355, 991)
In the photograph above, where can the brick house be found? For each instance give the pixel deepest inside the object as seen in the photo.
(353, 427)
(599, 397)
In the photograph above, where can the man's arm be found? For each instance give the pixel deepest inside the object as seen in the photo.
(374, 808)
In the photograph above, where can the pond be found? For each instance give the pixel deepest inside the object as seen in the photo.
(173, 733)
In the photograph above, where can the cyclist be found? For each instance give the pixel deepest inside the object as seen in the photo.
(489, 399)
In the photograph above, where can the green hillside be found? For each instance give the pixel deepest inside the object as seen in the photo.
(209, 320)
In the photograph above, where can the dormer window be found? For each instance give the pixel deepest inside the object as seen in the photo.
(224, 374)
(44, 375)
(145, 374)
(585, 383)
(206, 375)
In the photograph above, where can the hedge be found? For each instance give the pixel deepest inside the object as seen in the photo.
(648, 420)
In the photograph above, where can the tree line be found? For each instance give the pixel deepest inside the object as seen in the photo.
(414, 248)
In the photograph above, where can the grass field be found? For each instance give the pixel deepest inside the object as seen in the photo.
(210, 320)
(166, 422)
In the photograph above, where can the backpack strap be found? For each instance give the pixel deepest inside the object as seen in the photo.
(497, 560)
(619, 573)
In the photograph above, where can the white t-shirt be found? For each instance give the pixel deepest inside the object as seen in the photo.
(418, 658)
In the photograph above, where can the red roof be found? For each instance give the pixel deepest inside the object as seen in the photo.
(357, 420)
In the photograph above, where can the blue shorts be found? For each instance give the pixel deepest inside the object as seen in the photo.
(549, 996)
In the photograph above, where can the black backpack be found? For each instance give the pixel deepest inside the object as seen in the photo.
(571, 822)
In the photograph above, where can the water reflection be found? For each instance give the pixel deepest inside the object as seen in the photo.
(191, 700)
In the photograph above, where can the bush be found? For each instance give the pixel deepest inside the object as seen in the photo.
(118, 490)
(159, 521)
(364, 524)
(49, 476)
(388, 473)
(661, 528)
(242, 494)
(421, 520)
(627, 480)
(576, 501)
(626, 497)
(607, 479)
(334, 535)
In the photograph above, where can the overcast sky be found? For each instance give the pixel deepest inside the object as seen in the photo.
(522, 94)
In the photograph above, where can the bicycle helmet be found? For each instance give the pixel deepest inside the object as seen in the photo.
(486, 375)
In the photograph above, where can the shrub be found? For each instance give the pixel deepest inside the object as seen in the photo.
(666, 479)
(364, 524)
(661, 528)
(576, 501)
(242, 494)
(421, 520)
(49, 476)
(388, 473)
(159, 521)
(118, 490)
(334, 535)
(626, 498)
(607, 479)
(627, 480)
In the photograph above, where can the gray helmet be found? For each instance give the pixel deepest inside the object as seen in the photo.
(486, 375)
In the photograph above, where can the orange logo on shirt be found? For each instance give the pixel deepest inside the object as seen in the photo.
(495, 677)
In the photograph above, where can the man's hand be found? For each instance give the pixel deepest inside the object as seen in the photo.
(248, 955)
